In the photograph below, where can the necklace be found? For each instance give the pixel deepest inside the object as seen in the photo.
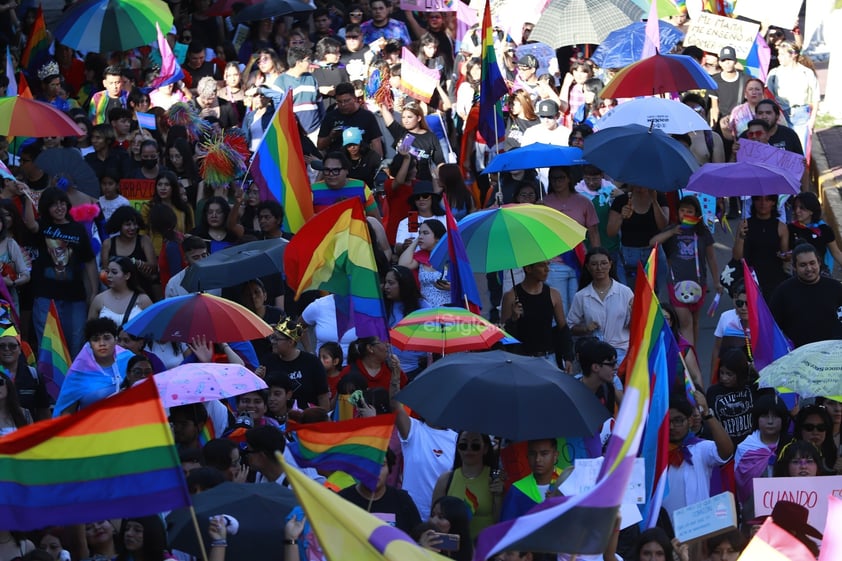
(604, 291)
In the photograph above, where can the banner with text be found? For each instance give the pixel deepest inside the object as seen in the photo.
(138, 191)
(810, 492)
(710, 33)
(790, 162)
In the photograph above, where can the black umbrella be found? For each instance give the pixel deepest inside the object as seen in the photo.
(507, 395)
(68, 162)
(260, 509)
(271, 9)
(236, 264)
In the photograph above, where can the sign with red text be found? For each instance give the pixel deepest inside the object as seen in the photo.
(809, 492)
(138, 191)
(710, 33)
(757, 152)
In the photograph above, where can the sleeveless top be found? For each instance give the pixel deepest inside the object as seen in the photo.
(534, 328)
(477, 496)
(761, 252)
(117, 317)
(136, 253)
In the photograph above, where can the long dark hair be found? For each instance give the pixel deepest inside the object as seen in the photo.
(410, 297)
(203, 220)
(455, 511)
(13, 407)
(656, 535)
(488, 459)
(827, 447)
(154, 538)
(450, 176)
(586, 278)
(175, 195)
(126, 265)
(49, 197)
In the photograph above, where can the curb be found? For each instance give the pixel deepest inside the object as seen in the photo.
(828, 179)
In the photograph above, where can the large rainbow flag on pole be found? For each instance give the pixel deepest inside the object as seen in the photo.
(279, 170)
(113, 459)
(356, 446)
(53, 356)
(36, 52)
(332, 252)
(492, 85)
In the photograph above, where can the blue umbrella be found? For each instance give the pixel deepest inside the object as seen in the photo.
(536, 155)
(641, 156)
(625, 45)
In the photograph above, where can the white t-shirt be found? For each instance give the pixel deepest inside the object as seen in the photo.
(427, 453)
(322, 314)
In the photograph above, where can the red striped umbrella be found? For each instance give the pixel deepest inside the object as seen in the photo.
(445, 330)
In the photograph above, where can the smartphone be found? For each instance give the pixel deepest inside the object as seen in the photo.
(412, 225)
(449, 542)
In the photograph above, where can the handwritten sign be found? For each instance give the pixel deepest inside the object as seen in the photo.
(429, 5)
(417, 80)
(138, 191)
(790, 162)
(707, 518)
(781, 13)
(809, 492)
(710, 33)
(583, 479)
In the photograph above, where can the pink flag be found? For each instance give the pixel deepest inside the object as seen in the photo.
(773, 543)
(653, 33)
(417, 80)
(832, 544)
(170, 69)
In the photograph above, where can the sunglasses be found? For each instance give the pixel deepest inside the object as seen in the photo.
(331, 171)
(474, 446)
(755, 134)
(740, 303)
(424, 196)
(352, 36)
(810, 427)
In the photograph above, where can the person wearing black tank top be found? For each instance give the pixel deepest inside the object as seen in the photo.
(533, 312)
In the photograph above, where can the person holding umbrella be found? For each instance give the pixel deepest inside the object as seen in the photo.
(529, 312)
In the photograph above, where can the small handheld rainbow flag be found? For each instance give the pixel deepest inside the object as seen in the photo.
(53, 356)
(113, 459)
(357, 446)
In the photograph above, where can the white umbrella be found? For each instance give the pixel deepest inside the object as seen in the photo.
(812, 370)
(672, 117)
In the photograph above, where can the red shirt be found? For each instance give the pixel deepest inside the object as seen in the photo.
(380, 380)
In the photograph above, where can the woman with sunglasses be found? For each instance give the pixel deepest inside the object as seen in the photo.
(814, 424)
(473, 475)
(763, 241)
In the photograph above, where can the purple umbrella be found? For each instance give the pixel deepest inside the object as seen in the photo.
(743, 178)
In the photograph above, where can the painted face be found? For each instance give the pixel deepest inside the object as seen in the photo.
(328, 361)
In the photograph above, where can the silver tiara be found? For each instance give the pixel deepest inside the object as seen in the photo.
(49, 69)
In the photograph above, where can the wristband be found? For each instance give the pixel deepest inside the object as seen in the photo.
(290, 542)
(219, 543)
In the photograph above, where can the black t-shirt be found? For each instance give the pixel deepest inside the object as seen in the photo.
(58, 271)
(808, 312)
(117, 160)
(306, 372)
(732, 407)
(425, 149)
(787, 139)
(394, 501)
(819, 239)
(331, 75)
(730, 94)
(639, 229)
(362, 119)
(32, 393)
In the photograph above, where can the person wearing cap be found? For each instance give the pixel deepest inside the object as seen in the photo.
(427, 203)
(691, 460)
(336, 186)
(304, 369)
(527, 76)
(730, 82)
(364, 161)
(32, 392)
(261, 445)
(549, 131)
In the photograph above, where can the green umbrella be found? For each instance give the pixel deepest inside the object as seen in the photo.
(513, 236)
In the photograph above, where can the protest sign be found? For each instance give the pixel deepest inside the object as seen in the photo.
(710, 33)
(781, 13)
(810, 492)
(707, 518)
(240, 36)
(583, 479)
(417, 80)
(757, 152)
(138, 191)
(429, 5)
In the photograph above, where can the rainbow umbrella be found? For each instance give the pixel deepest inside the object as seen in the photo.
(184, 317)
(102, 26)
(513, 236)
(659, 74)
(26, 117)
(445, 330)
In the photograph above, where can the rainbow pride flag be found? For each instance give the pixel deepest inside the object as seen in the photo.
(37, 49)
(492, 85)
(114, 459)
(357, 446)
(332, 252)
(53, 356)
(279, 170)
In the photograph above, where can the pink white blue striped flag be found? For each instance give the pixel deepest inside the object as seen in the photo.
(653, 33)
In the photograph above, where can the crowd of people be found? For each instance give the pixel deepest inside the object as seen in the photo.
(101, 260)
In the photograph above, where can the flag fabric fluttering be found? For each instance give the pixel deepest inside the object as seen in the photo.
(492, 85)
(356, 446)
(345, 531)
(773, 543)
(767, 341)
(114, 459)
(417, 80)
(651, 268)
(279, 170)
(463, 286)
(466, 17)
(53, 356)
(652, 38)
(583, 523)
(332, 252)
(171, 71)
(758, 59)
(831, 549)
(37, 49)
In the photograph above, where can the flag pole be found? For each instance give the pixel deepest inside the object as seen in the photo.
(198, 533)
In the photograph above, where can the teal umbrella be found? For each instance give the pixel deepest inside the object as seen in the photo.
(102, 26)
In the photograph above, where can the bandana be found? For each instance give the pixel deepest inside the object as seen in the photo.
(690, 222)
(680, 453)
(814, 227)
